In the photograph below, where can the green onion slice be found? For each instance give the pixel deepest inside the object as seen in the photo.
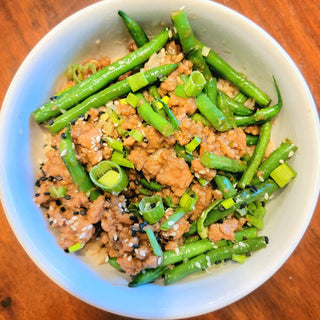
(193, 144)
(151, 185)
(239, 258)
(136, 135)
(172, 119)
(137, 81)
(132, 99)
(76, 247)
(175, 217)
(57, 192)
(154, 243)
(202, 230)
(188, 200)
(151, 208)
(228, 203)
(194, 84)
(119, 159)
(115, 144)
(114, 181)
(283, 174)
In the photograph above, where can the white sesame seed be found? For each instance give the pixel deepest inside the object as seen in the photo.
(82, 235)
(198, 265)
(171, 223)
(129, 258)
(63, 153)
(90, 226)
(176, 227)
(291, 153)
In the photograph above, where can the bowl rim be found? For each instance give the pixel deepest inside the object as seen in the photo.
(25, 240)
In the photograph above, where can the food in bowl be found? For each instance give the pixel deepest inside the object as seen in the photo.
(162, 159)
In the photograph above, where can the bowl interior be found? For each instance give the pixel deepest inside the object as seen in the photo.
(246, 47)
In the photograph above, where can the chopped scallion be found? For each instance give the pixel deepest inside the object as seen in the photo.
(137, 135)
(153, 242)
(228, 203)
(137, 81)
(188, 200)
(283, 174)
(57, 192)
(132, 99)
(110, 178)
(174, 218)
(151, 208)
(194, 84)
(239, 258)
(76, 247)
(193, 144)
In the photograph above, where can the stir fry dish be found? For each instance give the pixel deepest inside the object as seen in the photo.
(160, 163)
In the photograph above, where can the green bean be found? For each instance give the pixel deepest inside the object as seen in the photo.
(246, 196)
(185, 252)
(100, 79)
(215, 161)
(136, 32)
(205, 260)
(258, 154)
(154, 93)
(149, 275)
(251, 140)
(216, 117)
(237, 108)
(225, 186)
(211, 90)
(283, 152)
(185, 33)
(113, 262)
(240, 98)
(78, 173)
(197, 117)
(262, 115)
(151, 117)
(99, 99)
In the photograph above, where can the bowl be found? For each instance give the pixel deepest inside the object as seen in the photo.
(246, 47)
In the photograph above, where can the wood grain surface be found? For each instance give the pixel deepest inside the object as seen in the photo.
(292, 293)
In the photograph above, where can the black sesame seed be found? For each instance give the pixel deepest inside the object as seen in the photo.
(63, 135)
(243, 205)
(66, 250)
(37, 183)
(135, 229)
(58, 202)
(152, 205)
(171, 237)
(51, 178)
(51, 222)
(253, 188)
(87, 118)
(50, 122)
(248, 254)
(73, 121)
(82, 212)
(46, 193)
(145, 223)
(102, 112)
(141, 225)
(75, 213)
(133, 234)
(244, 238)
(62, 209)
(6, 302)
(218, 262)
(142, 231)
(266, 239)
(145, 140)
(67, 197)
(43, 178)
(135, 246)
(81, 116)
(58, 177)
(37, 195)
(53, 97)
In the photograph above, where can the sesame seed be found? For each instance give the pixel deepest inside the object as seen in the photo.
(67, 197)
(6, 302)
(62, 209)
(50, 122)
(198, 265)
(75, 213)
(82, 235)
(46, 193)
(37, 195)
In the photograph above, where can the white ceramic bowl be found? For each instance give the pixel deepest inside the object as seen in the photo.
(245, 46)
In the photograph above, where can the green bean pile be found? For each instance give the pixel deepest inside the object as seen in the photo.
(246, 184)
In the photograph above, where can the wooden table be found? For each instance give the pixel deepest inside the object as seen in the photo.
(292, 293)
